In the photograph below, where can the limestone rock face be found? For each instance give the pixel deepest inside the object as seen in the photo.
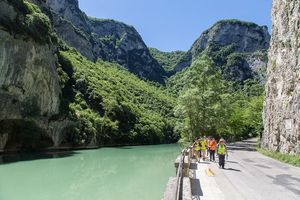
(244, 37)
(122, 44)
(28, 79)
(282, 102)
(105, 39)
(30, 93)
(258, 66)
(247, 37)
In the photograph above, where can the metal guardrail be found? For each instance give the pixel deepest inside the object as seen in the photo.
(178, 187)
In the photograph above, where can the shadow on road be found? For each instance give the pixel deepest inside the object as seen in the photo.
(242, 148)
(196, 187)
(232, 169)
(262, 166)
(206, 163)
(246, 145)
(232, 162)
(287, 181)
(194, 166)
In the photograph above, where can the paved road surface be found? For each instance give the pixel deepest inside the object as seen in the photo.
(247, 175)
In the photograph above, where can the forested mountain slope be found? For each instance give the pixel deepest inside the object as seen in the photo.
(104, 39)
(68, 80)
(167, 60)
(50, 95)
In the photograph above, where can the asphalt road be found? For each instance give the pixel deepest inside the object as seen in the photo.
(247, 175)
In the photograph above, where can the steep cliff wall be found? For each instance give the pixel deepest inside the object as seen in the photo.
(282, 102)
(29, 84)
(99, 38)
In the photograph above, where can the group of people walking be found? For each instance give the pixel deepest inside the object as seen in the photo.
(205, 148)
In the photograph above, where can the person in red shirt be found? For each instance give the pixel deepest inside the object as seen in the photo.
(212, 149)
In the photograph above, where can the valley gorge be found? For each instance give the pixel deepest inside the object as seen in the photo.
(70, 80)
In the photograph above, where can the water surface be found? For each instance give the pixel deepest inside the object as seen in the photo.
(128, 173)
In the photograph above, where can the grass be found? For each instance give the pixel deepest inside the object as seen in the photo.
(286, 158)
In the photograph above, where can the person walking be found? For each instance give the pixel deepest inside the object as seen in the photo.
(212, 149)
(222, 152)
(208, 139)
(203, 145)
(196, 148)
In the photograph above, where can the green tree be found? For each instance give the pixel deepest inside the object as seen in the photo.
(200, 106)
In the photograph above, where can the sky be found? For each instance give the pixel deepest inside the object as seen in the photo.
(170, 25)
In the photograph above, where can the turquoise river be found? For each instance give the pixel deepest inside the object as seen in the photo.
(127, 173)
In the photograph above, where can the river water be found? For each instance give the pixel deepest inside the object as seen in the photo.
(126, 173)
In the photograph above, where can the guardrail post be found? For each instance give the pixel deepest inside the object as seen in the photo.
(179, 187)
(177, 162)
(186, 166)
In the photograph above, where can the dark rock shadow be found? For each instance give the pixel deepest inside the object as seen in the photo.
(22, 157)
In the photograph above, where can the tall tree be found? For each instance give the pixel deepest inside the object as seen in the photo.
(200, 106)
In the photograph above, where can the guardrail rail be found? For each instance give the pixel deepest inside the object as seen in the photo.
(178, 187)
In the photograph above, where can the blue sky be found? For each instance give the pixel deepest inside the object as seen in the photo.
(175, 24)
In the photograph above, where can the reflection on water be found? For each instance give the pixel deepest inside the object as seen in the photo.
(11, 158)
(105, 174)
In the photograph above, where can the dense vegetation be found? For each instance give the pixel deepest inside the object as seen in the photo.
(30, 22)
(115, 107)
(112, 105)
(208, 104)
(167, 60)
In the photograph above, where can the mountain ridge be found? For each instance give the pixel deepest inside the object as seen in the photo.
(105, 39)
(231, 37)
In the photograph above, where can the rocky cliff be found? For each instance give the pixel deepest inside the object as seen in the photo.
(282, 102)
(51, 95)
(238, 47)
(105, 39)
(29, 84)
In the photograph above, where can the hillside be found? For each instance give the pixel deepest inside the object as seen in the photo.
(50, 95)
(65, 82)
(167, 60)
(114, 105)
(104, 39)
